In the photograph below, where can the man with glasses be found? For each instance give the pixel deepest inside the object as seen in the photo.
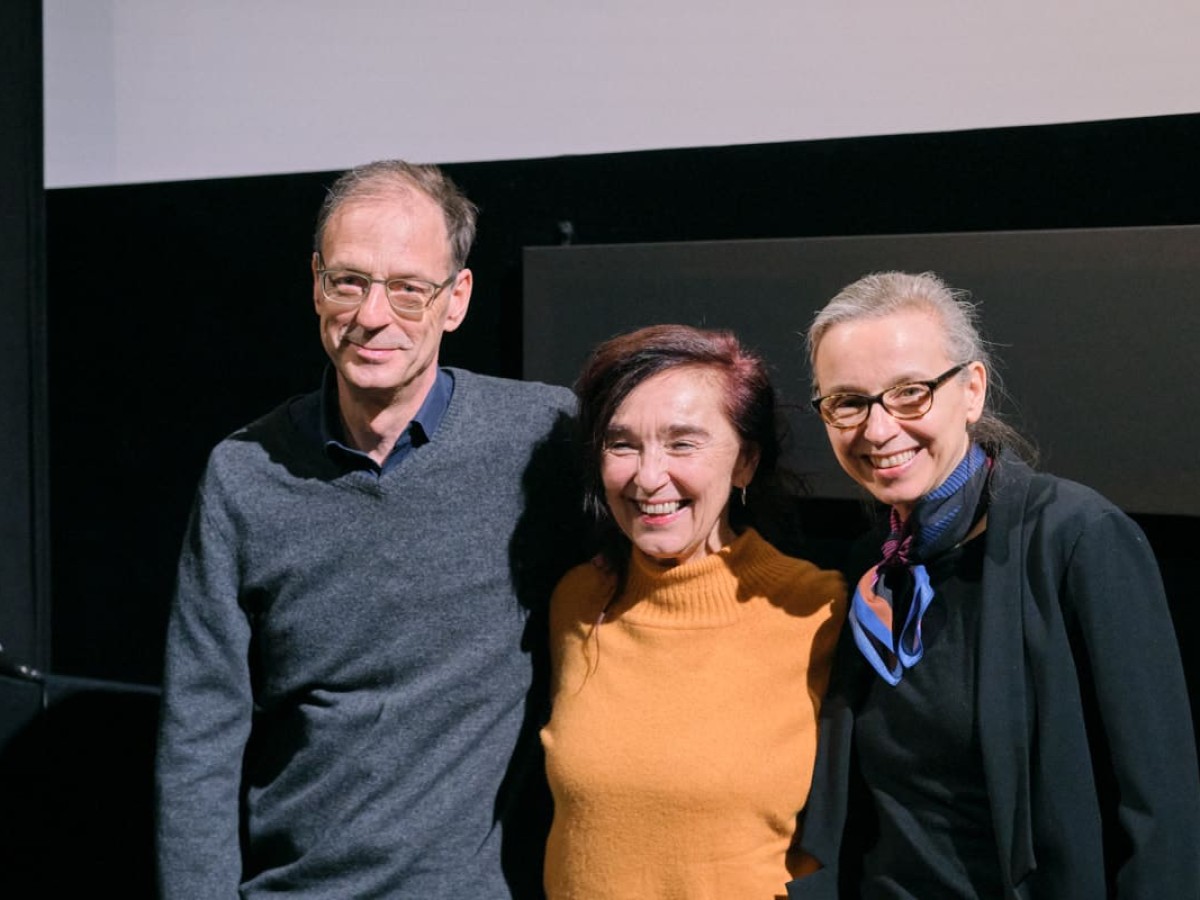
(354, 656)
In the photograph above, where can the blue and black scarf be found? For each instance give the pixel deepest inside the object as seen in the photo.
(899, 584)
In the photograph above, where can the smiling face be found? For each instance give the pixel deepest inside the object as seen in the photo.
(670, 461)
(381, 358)
(899, 460)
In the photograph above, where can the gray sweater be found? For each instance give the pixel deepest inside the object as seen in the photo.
(354, 665)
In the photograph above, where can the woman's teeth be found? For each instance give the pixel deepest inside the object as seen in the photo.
(896, 459)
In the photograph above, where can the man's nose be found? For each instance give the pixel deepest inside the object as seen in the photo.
(375, 311)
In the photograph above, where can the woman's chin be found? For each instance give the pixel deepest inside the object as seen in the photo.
(892, 491)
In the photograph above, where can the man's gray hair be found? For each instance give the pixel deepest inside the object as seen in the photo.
(389, 176)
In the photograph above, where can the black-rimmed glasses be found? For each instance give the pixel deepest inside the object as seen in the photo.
(910, 400)
(408, 297)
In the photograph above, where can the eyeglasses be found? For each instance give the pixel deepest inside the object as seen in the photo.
(408, 297)
(910, 400)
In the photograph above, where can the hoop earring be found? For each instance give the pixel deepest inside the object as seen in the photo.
(743, 495)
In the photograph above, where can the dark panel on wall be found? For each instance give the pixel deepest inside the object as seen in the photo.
(1095, 332)
(197, 313)
(24, 618)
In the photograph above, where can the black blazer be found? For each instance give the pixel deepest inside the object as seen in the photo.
(1084, 721)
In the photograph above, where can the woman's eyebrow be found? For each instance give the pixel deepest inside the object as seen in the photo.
(674, 430)
(911, 377)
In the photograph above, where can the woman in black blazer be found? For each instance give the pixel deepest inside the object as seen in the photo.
(1008, 715)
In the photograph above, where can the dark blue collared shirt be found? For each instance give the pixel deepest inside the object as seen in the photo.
(328, 425)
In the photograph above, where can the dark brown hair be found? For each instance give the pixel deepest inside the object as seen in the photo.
(617, 366)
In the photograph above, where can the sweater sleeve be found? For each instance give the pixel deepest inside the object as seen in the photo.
(206, 713)
(1115, 591)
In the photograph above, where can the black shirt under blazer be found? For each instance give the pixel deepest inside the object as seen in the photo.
(1080, 684)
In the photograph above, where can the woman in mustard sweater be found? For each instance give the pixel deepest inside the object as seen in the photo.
(690, 657)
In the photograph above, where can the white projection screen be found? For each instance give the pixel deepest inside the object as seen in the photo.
(1096, 331)
(138, 91)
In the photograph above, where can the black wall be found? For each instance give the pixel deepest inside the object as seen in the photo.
(179, 311)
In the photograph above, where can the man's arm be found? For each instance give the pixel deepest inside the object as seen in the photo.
(206, 712)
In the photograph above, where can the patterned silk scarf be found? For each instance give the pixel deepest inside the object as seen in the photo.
(899, 584)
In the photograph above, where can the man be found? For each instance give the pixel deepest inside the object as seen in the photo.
(352, 687)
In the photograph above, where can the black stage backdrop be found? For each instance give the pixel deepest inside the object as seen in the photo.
(24, 583)
(179, 311)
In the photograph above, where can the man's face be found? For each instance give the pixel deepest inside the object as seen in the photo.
(381, 358)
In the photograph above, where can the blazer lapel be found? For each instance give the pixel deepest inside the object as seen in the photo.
(1004, 697)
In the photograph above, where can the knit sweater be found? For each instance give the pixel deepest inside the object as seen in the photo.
(681, 742)
(347, 706)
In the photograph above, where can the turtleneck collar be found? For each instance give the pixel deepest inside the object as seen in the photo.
(709, 592)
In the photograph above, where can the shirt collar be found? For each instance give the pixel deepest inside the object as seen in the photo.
(417, 433)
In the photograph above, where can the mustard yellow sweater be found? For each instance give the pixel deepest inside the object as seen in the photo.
(680, 747)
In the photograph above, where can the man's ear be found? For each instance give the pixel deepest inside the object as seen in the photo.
(460, 300)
